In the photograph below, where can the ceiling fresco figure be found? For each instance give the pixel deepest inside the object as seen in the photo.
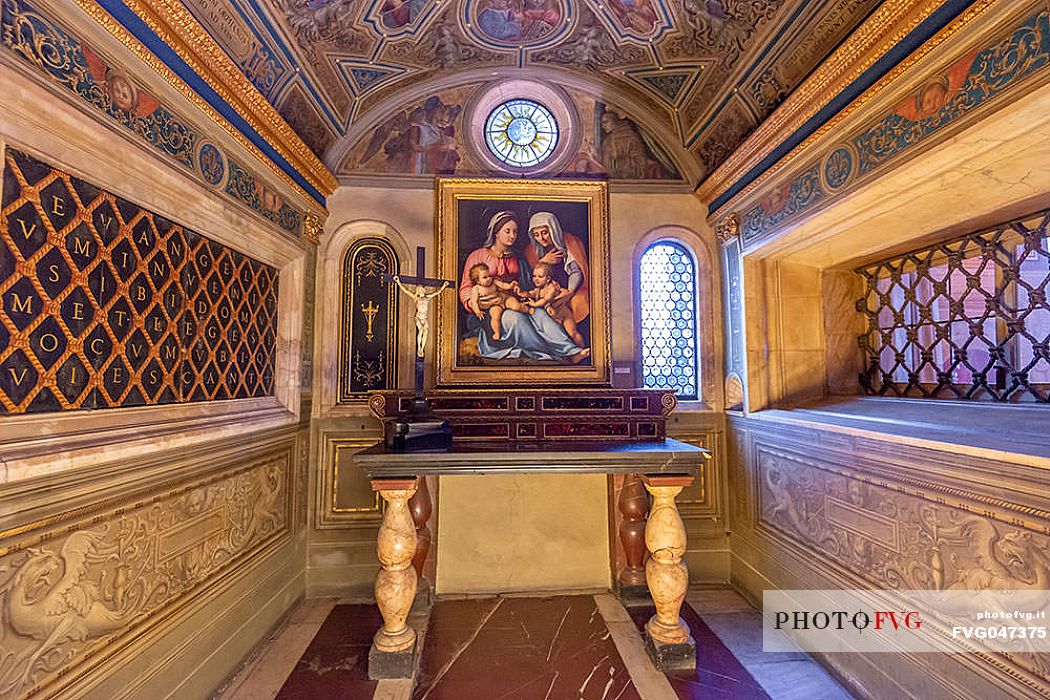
(636, 15)
(400, 13)
(523, 22)
(619, 45)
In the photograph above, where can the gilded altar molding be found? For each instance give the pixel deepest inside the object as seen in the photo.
(174, 24)
(114, 564)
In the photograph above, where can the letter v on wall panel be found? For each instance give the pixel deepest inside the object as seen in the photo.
(104, 304)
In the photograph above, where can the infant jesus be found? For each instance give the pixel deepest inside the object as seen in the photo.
(545, 295)
(493, 296)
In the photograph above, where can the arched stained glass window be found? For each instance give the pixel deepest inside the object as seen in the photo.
(521, 133)
(667, 280)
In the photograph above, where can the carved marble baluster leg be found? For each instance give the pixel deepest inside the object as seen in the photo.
(634, 507)
(394, 645)
(421, 508)
(666, 635)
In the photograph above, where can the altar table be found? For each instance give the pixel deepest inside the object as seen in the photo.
(666, 467)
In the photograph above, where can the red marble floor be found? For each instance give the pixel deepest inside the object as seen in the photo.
(335, 665)
(504, 648)
(509, 648)
(719, 675)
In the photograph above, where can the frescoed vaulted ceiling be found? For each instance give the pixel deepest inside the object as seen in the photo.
(696, 76)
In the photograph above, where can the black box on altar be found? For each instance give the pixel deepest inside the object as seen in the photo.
(418, 431)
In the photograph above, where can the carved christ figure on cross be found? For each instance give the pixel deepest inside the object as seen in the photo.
(419, 293)
(416, 287)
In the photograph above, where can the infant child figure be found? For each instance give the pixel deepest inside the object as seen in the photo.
(547, 295)
(493, 296)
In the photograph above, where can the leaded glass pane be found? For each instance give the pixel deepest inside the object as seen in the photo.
(667, 278)
(521, 133)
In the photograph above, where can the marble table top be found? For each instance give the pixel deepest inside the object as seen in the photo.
(664, 457)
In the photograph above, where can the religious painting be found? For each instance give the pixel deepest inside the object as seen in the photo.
(529, 261)
(619, 148)
(517, 22)
(418, 140)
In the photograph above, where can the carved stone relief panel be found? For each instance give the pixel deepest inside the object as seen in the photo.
(903, 534)
(77, 588)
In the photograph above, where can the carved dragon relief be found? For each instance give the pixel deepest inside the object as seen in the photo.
(64, 599)
(938, 546)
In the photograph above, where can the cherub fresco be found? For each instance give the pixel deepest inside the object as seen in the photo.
(932, 97)
(419, 141)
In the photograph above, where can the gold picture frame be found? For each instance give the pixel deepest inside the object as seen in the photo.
(565, 342)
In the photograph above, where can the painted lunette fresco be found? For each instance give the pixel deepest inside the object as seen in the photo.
(941, 102)
(71, 63)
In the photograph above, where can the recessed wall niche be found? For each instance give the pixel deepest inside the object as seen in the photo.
(106, 304)
(368, 335)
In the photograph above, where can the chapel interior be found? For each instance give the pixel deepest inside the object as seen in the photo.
(712, 296)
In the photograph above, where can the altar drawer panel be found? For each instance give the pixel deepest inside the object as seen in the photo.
(586, 429)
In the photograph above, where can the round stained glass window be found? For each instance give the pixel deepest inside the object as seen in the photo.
(521, 133)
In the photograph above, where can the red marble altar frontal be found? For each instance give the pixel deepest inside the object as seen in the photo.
(556, 647)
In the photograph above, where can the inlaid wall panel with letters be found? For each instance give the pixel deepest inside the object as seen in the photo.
(104, 304)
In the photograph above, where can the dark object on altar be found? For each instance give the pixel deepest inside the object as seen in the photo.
(419, 430)
(535, 415)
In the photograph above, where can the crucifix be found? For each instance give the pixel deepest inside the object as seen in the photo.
(369, 310)
(422, 289)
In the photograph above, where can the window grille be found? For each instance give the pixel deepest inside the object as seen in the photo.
(667, 279)
(966, 319)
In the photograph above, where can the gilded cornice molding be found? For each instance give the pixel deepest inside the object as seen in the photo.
(176, 27)
(890, 23)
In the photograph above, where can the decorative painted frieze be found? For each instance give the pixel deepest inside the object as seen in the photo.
(70, 63)
(938, 105)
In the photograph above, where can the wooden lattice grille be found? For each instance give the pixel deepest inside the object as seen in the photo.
(966, 319)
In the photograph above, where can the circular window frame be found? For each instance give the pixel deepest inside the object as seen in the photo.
(508, 107)
(555, 100)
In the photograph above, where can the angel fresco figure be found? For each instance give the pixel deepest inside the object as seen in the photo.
(419, 293)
